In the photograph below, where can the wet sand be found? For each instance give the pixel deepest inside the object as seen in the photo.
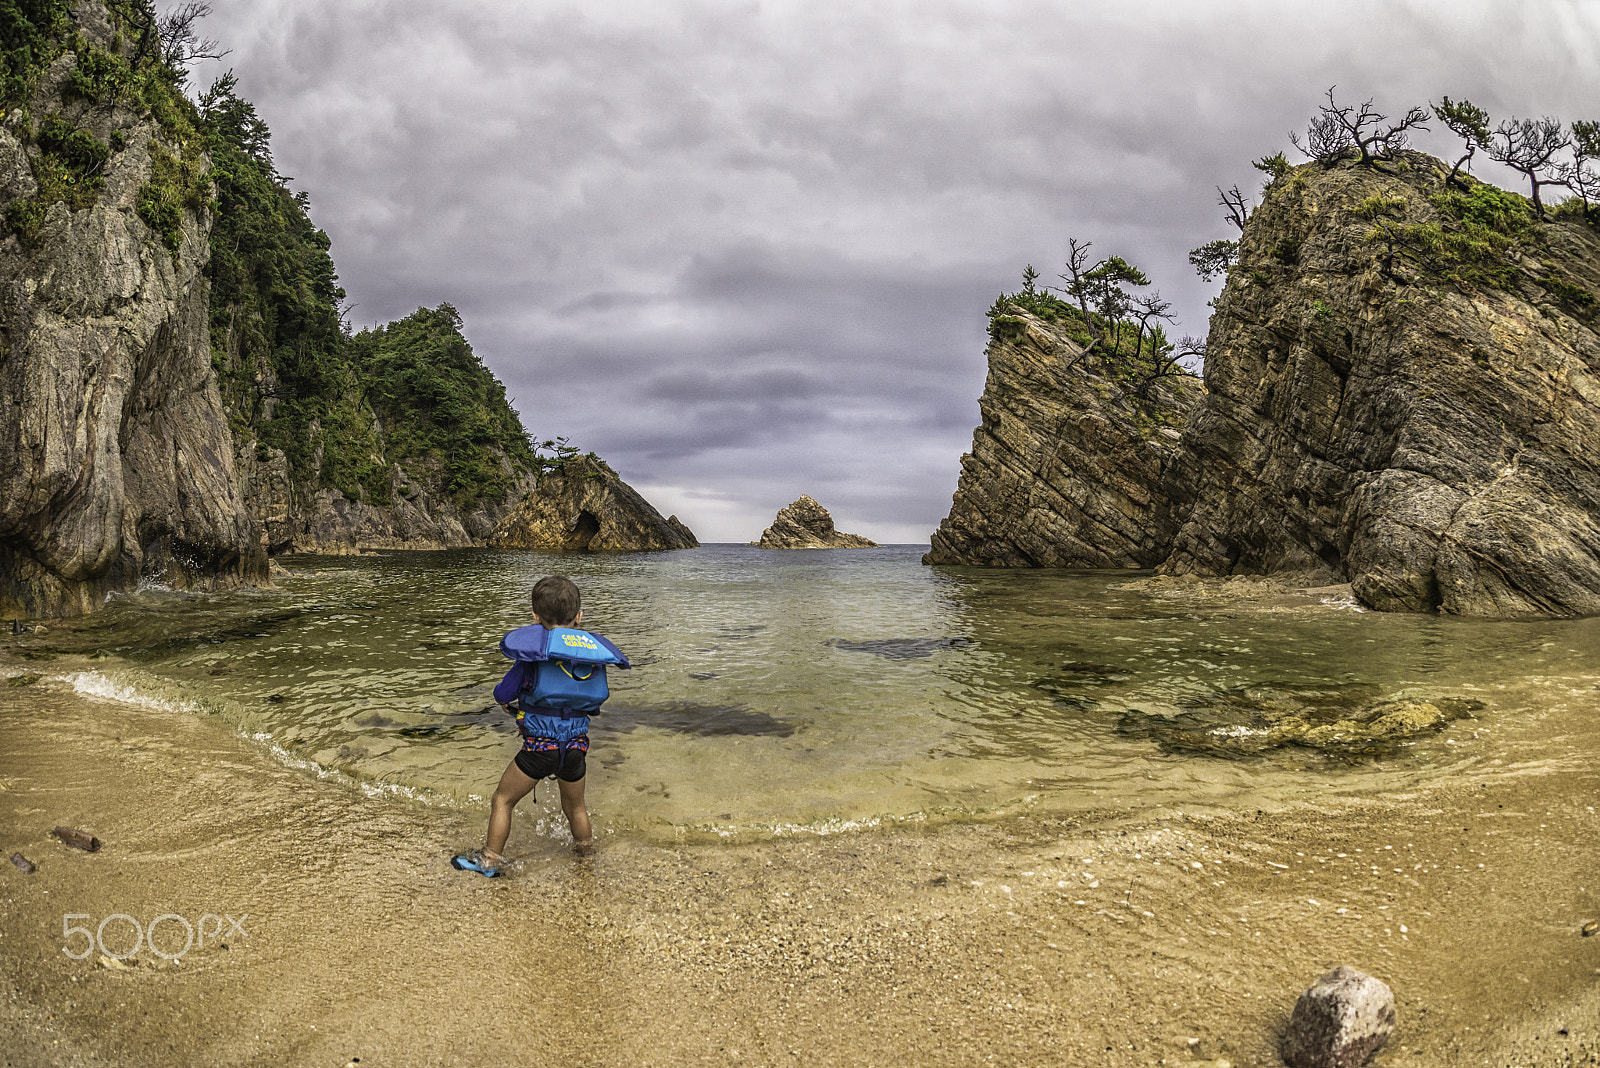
(1165, 939)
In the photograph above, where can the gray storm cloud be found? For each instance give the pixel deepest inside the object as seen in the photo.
(743, 250)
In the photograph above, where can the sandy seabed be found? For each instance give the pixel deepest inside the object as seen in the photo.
(1166, 938)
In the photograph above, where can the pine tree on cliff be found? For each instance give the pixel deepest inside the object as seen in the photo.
(1212, 259)
(1099, 285)
(1532, 147)
(1586, 154)
(1339, 128)
(1468, 122)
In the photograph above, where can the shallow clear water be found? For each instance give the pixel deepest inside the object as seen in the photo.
(779, 692)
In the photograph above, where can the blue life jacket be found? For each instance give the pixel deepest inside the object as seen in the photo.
(565, 679)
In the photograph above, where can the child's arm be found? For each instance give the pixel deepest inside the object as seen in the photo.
(508, 688)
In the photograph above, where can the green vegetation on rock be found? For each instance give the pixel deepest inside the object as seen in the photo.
(440, 407)
(137, 74)
(1473, 237)
(342, 409)
(277, 341)
(1123, 332)
(66, 170)
(29, 34)
(1432, 224)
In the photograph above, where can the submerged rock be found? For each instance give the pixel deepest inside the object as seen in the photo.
(1252, 720)
(805, 524)
(1340, 1021)
(583, 505)
(898, 648)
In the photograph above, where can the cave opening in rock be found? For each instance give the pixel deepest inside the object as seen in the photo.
(583, 531)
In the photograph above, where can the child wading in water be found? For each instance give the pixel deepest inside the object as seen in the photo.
(558, 679)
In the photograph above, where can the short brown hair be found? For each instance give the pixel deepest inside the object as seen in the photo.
(556, 600)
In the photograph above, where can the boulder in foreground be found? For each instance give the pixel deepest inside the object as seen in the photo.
(1340, 1022)
(584, 505)
(805, 524)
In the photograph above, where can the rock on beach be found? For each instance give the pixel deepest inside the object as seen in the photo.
(1340, 1021)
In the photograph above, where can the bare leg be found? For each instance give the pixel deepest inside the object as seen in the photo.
(577, 814)
(514, 786)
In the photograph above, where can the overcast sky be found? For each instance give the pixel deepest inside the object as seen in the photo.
(743, 250)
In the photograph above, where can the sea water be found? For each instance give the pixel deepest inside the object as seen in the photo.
(810, 692)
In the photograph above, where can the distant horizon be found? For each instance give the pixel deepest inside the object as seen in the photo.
(751, 544)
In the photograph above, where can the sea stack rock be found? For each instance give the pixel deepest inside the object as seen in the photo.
(1066, 468)
(805, 524)
(584, 505)
(1340, 1021)
(1422, 422)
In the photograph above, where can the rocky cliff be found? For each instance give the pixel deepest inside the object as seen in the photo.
(1402, 392)
(1066, 468)
(805, 524)
(583, 505)
(116, 464)
(410, 442)
(184, 398)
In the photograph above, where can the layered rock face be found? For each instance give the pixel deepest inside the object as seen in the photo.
(583, 505)
(1417, 414)
(1066, 469)
(1434, 443)
(296, 518)
(116, 462)
(805, 524)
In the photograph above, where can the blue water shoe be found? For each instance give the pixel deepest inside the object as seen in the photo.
(474, 861)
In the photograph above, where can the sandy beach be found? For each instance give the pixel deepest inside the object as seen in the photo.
(1171, 938)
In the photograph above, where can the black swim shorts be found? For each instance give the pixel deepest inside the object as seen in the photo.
(568, 765)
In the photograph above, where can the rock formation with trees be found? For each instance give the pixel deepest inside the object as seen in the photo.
(186, 396)
(1401, 392)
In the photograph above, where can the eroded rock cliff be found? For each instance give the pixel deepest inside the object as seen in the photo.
(1067, 465)
(805, 524)
(116, 464)
(1403, 392)
(409, 449)
(183, 397)
(583, 505)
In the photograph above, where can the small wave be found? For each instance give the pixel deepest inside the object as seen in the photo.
(370, 787)
(105, 687)
(96, 684)
(819, 828)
